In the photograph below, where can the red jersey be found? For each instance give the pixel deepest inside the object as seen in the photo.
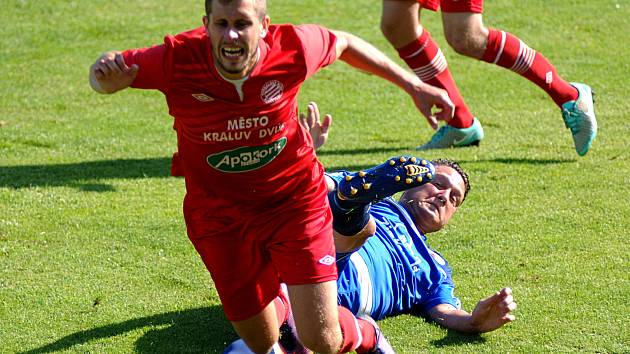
(238, 140)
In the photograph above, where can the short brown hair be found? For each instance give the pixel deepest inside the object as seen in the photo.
(261, 6)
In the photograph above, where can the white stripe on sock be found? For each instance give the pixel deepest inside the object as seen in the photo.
(437, 65)
(496, 60)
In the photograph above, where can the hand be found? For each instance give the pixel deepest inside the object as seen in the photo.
(110, 73)
(493, 312)
(426, 97)
(311, 122)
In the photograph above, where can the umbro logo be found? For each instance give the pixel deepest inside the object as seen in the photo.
(202, 97)
(549, 78)
(327, 260)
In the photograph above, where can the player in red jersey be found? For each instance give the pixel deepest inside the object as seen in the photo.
(256, 207)
(465, 32)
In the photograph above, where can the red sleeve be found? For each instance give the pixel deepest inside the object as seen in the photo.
(319, 46)
(155, 65)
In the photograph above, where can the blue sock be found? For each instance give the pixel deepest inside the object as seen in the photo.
(348, 220)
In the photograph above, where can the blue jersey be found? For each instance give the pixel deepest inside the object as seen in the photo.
(395, 271)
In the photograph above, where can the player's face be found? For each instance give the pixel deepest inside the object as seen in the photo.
(234, 29)
(432, 205)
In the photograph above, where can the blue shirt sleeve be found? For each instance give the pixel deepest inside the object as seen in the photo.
(444, 294)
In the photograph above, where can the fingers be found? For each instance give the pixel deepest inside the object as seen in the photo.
(313, 113)
(501, 301)
(431, 119)
(447, 108)
(326, 124)
(303, 121)
(113, 64)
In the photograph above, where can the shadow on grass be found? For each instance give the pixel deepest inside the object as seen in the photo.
(361, 151)
(71, 175)
(201, 330)
(454, 338)
(519, 161)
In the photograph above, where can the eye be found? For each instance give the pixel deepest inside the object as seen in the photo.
(220, 23)
(240, 25)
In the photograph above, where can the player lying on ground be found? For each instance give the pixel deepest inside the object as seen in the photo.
(385, 266)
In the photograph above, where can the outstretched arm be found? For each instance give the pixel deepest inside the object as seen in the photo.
(362, 55)
(110, 73)
(490, 313)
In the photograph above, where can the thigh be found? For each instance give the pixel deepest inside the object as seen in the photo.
(240, 266)
(302, 249)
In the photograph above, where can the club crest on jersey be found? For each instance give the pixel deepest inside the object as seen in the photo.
(246, 158)
(271, 91)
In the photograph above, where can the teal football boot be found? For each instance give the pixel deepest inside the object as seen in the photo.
(448, 136)
(579, 117)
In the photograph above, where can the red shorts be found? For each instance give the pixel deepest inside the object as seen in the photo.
(475, 6)
(249, 250)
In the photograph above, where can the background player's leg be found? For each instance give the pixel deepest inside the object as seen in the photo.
(400, 24)
(466, 33)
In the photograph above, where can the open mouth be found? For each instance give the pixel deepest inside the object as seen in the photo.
(232, 52)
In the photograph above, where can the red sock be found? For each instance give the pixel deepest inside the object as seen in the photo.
(358, 335)
(425, 58)
(506, 50)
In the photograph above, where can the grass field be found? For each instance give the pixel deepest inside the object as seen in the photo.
(93, 251)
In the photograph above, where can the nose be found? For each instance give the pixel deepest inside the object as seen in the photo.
(232, 34)
(443, 196)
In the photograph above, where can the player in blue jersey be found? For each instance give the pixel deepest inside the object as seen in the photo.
(385, 266)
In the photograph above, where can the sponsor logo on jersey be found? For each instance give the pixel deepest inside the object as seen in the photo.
(246, 158)
(271, 91)
(327, 260)
(202, 97)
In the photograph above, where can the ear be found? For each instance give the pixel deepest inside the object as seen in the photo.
(205, 21)
(264, 26)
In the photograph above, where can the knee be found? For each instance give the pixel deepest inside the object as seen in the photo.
(389, 27)
(260, 343)
(324, 341)
(257, 346)
(468, 41)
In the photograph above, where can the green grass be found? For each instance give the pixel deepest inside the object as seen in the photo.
(93, 251)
